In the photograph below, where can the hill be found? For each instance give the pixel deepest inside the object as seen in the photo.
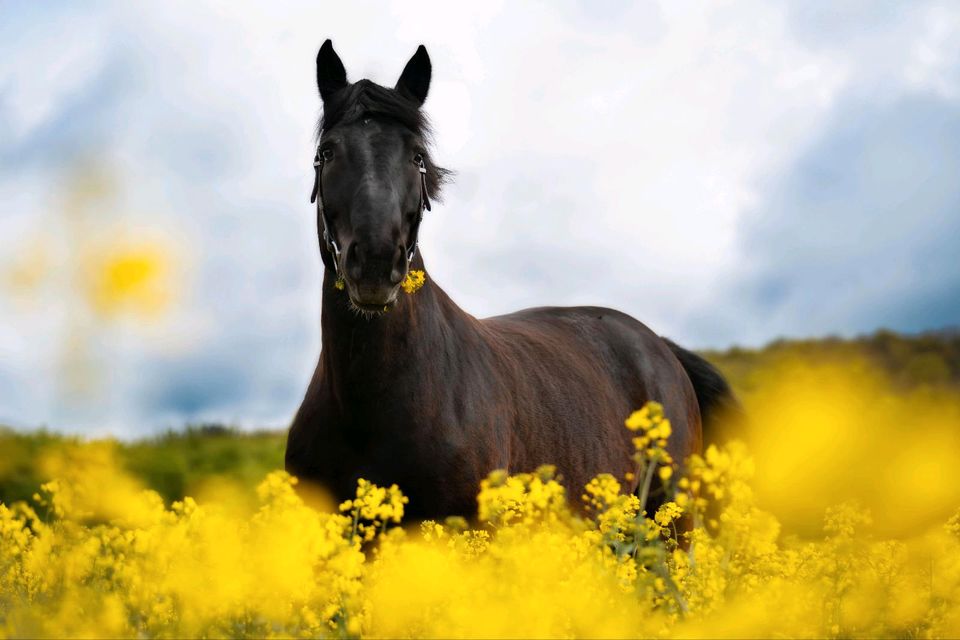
(930, 359)
(178, 463)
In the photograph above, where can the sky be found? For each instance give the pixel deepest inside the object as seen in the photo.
(728, 173)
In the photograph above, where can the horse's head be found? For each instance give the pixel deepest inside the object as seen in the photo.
(374, 176)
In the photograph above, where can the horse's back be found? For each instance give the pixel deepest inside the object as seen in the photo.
(626, 347)
(598, 325)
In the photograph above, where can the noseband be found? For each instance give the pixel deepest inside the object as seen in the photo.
(328, 234)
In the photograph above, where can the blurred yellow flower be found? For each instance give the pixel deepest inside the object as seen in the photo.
(132, 278)
(98, 555)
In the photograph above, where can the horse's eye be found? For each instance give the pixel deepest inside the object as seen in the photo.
(327, 154)
(418, 158)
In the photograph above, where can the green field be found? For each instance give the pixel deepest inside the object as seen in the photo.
(173, 464)
(176, 463)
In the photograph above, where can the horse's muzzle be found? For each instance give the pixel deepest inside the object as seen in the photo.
(373, 275)
(371, 296)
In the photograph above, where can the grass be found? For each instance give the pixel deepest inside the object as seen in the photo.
(173, 464)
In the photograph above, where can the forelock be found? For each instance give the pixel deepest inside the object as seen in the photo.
(364, 99)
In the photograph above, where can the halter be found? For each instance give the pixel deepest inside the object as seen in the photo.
(328, 236)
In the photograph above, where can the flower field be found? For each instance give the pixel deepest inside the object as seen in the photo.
(835, 515)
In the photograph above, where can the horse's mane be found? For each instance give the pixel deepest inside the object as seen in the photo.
(364, 99)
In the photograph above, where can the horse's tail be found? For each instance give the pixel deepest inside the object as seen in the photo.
(719, 408)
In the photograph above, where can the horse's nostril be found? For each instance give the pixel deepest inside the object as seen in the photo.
(354, 261)
(399, 265)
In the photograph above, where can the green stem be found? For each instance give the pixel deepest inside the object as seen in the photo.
(356, 520)
(647, 481)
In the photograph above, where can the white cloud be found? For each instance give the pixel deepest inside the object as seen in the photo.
(606, 154)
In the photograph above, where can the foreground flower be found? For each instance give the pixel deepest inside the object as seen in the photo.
(100, 556)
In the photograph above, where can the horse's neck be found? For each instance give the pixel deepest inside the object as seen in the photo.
(363, 356)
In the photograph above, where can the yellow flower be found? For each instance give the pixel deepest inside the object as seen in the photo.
(638, 420)
(102, 557)
(953, 525)
(414, 280)
(603, 490)
(667, 513)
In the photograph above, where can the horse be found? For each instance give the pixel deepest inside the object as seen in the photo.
(412, 390)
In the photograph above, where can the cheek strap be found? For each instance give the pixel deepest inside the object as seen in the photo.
(424, 205)
(317, 196)
(330, 240)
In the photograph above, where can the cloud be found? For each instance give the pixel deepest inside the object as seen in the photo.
(862, 232)
(714, 173)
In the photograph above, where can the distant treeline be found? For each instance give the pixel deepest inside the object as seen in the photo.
(176, 464)
(909, 361)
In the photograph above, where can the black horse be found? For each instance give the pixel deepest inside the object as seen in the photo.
(410, 389)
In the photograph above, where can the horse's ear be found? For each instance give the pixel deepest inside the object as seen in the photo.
(414, 82)
(331, 76)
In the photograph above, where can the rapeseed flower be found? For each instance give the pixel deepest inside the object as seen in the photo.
(414, 279)
(98, 555)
